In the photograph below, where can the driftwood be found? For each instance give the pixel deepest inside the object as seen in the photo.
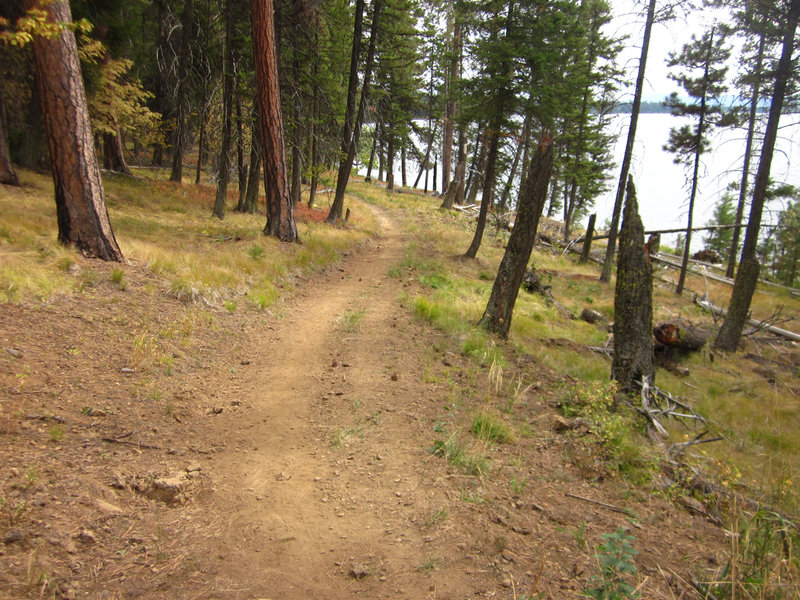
(680, 337)
(715, 310)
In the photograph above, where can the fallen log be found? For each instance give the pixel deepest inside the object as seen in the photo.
(594, 317)
(533, 285)
(717, 311)
(681, 337)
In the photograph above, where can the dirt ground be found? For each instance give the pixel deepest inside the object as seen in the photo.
(154, 449)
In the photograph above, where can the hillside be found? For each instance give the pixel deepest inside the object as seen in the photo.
(223, 416)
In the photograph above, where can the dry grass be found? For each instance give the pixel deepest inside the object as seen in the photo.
(169, 229)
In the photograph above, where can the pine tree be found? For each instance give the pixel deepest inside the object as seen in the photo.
(704, 67)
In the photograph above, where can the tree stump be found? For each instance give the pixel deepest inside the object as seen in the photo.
(633, 302)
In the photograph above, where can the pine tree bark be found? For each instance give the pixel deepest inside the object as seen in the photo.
(748, 153)
(113, 158)
(80, 204)
(8, 175)
(352, 131)
(743, 289)
(253, 172)
(455, 191)
(179, 135)
(488, 181)
(497, 316)
(628, 156)
(280, 213)
(450, 105)
(241, 166)
(223, 168)
(633, 303)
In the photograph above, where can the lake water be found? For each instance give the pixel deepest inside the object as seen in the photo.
(663, 187)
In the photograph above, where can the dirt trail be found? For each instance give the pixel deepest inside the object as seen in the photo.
(303, 441)
(308, 512)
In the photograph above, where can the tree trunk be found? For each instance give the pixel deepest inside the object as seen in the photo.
(743, 287)
(8, 175)
(403, 180)
(587, 242)
(455, 191)
(352, 133)
(254, 172)
(80, 205)
(423, 168)
(627, 157)
(633, 303)
(241, 167)
(375, 137)
(497, 316)
(696, 170)
(523, 140)
(450, 105)
(280, 214)
(201, 140)
(748, 153)
(113, 158)
(223, 168)
(488, 182)
(390, 163)
(297, 159)
(184, 58)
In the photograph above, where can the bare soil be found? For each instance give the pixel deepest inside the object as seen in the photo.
(155, 449)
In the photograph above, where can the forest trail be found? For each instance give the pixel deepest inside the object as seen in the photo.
(316, 499)
(286, 455)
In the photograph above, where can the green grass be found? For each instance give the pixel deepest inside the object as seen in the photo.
(491, 429)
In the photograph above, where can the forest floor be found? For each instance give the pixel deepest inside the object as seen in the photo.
(287, 455)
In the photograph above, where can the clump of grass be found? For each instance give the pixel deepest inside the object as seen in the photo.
(430, 564)
(459, 455)
(342, 434)
(615, 426)
(437, 516)
(351, 320)
(763, 561)
(56, 432)
(490, 428)
(230, 306)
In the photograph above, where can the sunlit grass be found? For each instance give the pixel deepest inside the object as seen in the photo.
(168, 229)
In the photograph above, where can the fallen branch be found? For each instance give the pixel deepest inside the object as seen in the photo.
(111, 440)
(624, 511)
(706, 304)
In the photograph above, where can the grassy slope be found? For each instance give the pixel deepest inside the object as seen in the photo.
(757, 410)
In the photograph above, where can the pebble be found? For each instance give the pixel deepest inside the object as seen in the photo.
(13, 535)
(14, 352)
(506, 582)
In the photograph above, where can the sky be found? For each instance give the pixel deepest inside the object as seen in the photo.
(666, 37)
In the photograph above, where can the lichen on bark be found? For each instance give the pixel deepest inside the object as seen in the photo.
(633, 302)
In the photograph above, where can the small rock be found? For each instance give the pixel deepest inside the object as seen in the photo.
(87, 536)
(13, 535)
(214, 410)
(395, 377)
(507, 556)
(13, 352)
(193, 468)
(560, 424)
(506, 582)
(282, 476)
(127, 370)
(344, 364)
(694, 506)
(170, 490)
(107, 507)
(358, 571)
(236, 402)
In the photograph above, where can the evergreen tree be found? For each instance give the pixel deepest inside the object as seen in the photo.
(720, 240)
(704, 67)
